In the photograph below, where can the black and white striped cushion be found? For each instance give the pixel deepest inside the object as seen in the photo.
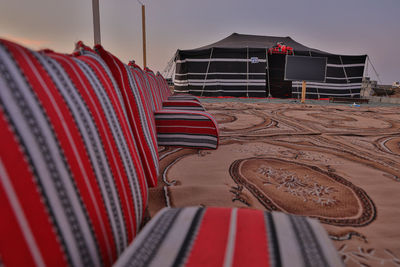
(195, 236)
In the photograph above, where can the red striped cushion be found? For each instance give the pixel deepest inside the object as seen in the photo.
(140, 118)
(143, 85)
(196, 236)
(186, 129)
(153, 86)
(177, 127)
(163, 85)
(183, 104)
(72, 190)
(160, 93)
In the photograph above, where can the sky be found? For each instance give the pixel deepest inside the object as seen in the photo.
(350, 27)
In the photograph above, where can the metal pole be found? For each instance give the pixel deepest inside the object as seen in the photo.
(247, 92)
(269, 88)
(208, 68)
(96, 21)
(144, 35)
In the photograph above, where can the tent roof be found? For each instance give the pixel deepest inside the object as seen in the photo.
(236, 40)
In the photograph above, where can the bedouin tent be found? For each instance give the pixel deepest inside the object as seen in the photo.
(242, 66)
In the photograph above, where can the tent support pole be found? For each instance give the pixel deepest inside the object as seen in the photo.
(96, 21)
(269, 87)
(345, 74)
(376, 73)
(247, 92)
(208, 67)
(144, 35)
(297, 88)
(309, 51)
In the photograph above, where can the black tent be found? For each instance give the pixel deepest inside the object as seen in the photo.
(241, 66)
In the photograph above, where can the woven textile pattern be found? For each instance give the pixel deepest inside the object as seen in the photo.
(187, 102)
(140, 118)
(186, 129)
(238, 237)
(78, 192)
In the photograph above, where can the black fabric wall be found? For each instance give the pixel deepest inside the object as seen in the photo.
(232, 73)
(343, 77)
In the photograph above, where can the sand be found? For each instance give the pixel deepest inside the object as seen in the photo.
(336, 163)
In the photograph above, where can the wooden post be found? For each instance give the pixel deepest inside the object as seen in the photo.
(96, 21)
(144, 35)
(303, 92)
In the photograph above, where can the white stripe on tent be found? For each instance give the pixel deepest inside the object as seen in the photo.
(329, 94)
(329, 85)
(221, 83)
(223, 80)
(217, 60)
(220, 73)
(230, 91)
(331, 88)
(345, 65)
(344, 78)
(260, 60)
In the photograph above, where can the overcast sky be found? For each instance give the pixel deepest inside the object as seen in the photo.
(338, 26)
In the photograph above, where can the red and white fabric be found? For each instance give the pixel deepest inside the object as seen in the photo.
(163, 85)
(194, 129)
(72, 189)
(140, 115)
(160, 95)
(183, 128)
(195, 236)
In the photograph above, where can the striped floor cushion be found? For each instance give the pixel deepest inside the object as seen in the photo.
(72, 189)
(183, 97)
(153, 86)
(177, 127)
(195, 236)
(143, 85)
(140, 117)
(163, 85)
(160, 95)
(186, 129)
(182, 104)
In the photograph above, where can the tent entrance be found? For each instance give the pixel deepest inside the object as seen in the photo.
(278, 87)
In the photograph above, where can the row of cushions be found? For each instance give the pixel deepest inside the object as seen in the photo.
(161, 98)
(166, 92)
(72, 191)
(140, 114)
(143, 98)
